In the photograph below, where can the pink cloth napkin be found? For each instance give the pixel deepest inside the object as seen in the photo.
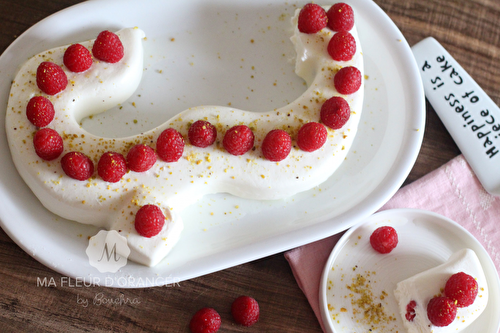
(452, 190)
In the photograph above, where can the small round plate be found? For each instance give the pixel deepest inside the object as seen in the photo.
(426, 240)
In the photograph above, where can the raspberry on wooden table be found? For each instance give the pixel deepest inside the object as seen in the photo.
(462, 288)
(245, 310)
(40, 111)
(340, 17)
(335, 112)
(77, 58)
(149, 220)
(384, 239)
(311, 136)
(50, 78)
(347, 80)
(202, 134)
(276, 145)
(170, 145)
(141, 158)
(111, 167)
(77, 165)
(48, 144)
(238, 140)
(441, 311)
(108, 47)
(206, 320)
(312, 18)
(342, 46)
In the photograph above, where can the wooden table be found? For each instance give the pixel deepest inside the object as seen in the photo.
(468, 29)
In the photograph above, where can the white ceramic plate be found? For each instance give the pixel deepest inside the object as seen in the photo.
(426, 240)
(219, 52)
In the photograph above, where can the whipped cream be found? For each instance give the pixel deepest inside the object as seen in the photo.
(425, 285)
(200, 171)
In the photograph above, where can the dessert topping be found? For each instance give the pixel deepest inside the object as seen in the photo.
(311, 136)
(50, 78)
(238, 140)
(276, 145)
(77, 58)
(312, 18)
(48, 144)
(149, 220)
(40, 111)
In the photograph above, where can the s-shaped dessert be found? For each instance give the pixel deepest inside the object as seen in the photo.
(138, 185)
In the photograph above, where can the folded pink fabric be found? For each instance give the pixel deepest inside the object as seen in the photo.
(452, 191)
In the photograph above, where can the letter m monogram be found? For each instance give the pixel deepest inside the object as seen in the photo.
(108, 255)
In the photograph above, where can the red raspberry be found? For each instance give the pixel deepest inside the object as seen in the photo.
(77, 165)
(335, 112)
(384, 239)
(342, 46)
(347, 80)
(108, 47)
(340, 17)
(141, 158)
(170, 145)
(441, 311)
(206, 320)
(410, 311)
(276, 145)
(48, 144)
(149, 220)
(245, 310)
(77, 58)
(312, 18)
(40, 111)
(238, 140)
(311, 136)
(462, 288)
(50, 78)
(202, 134)
(111, 167)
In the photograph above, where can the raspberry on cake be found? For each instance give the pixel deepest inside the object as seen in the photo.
(276, 145)
(237, 163)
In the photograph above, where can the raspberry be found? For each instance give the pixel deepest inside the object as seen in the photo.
(108, 47)
(206, 320)
(245, 310)
(312, 18)
(77, 58)
(48, 144)
(462, 288)
(347, 80)
(40, 111)
(238, 140)
(340, 17)
(202, 134)
(170, 145)
(441, 311)
(311, 136)
(77, 165)
(342, 46)
(149, 220)
(141, 158)
(384, 239)
(276, 145)
(410, 311)
(335, 112)
(111, 167)
(50, 78)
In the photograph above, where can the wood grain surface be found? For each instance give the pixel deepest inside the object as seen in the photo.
(468, 29)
